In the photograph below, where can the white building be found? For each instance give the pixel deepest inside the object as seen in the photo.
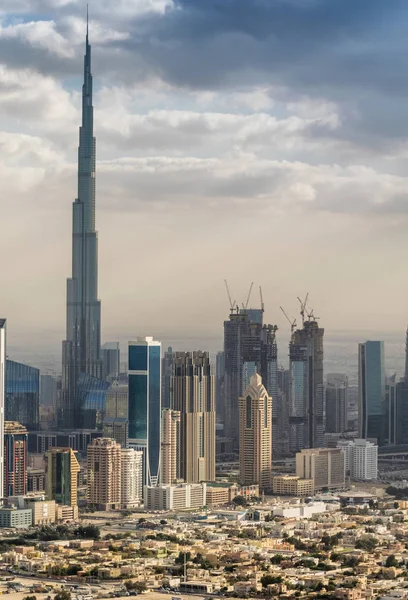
(131, 477)
(176, 497)
(360, 458)
(2, 396)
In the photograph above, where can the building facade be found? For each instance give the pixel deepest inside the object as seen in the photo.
(15, 459)
(2, 395)
(117, 429)
(360, 459)
(131, 477)
(170, 446)
(81, 356)
(61, 476)
(336, 403)
(292, 485)
(104, 474)
(371, 391)
(193, 385)
(110, 355)
(306, 395)
(249, 347)
(22, 403)
(16, 518)
(183, 496)
(144, 404)
(324, 465)
(255, 443)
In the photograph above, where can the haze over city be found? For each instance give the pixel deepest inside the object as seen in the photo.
(257, 140)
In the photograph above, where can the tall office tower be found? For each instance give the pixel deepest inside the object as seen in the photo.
(249, 348)
(22, 395)
(255, 433)
(144, 407)
(167, 371)
(117, 401)
(2, 395)
(306, 401)
(391, 411)
(324, 465)
(219, 383)
(61, 476)
(170, 446)
(81, 359)
(336, 403)
(371, 392)
(48, 390)
(281, 440)
(402, 413)
(15, 459)
(110, 355)
(104, 474)
(131, 477)
(194, 397)
(406, 355)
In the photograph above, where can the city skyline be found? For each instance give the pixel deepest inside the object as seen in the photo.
(181, 148)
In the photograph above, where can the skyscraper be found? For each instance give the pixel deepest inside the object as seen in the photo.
(371, 391)
(15, 459)
(194, 397)
(22, 402)
(131, 477)
(2, 394)
(110, 355)
(81, 349)
(170, 446)
(255, 444)
(249, 348)
(144, 407)
(61, 476)
(306, 398)
(336, 403)
(104, 474)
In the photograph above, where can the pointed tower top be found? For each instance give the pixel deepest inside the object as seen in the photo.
(87, 21)
(256, 389)
(256, 380)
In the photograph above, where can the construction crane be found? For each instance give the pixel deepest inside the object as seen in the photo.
(310, 315)
(232, 303)
(292, 324)
(249, 295)
(262, 302)
(303, 307)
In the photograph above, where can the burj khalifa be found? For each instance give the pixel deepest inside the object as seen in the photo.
(81, 361)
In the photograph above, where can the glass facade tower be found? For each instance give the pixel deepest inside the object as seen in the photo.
(144, 408)
(81, 349)
(371, 388)
(22, 400)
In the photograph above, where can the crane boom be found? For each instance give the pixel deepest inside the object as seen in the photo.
(232, 304)
(249, 295)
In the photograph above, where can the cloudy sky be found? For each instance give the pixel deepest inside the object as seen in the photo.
(254, 140)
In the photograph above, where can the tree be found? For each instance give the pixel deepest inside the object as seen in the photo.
(30, 598)
(240, 501)
(367, 542)
(391, 561)
(137, 586)
(63, 595)
(277, 559)
(269, 580)
(163, 522)
(396, 505)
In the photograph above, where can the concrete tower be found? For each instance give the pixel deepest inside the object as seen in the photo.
(81, 360)
(255, 432)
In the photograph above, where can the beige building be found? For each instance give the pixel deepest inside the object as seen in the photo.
(104, 474)
(255, 435)
(194, 397)
(324, 465)
(183, 496)
(131, 477)
(44, 511)
(170, 446)
(224, 493)
(292, 485)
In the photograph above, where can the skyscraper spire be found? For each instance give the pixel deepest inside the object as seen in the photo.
(81, 350)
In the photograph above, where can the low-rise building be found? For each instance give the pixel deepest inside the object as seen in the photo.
(292, 485)
(19, 518)
(175, 497)
(324, 465)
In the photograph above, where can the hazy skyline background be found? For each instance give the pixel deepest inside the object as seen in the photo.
(258, 141)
